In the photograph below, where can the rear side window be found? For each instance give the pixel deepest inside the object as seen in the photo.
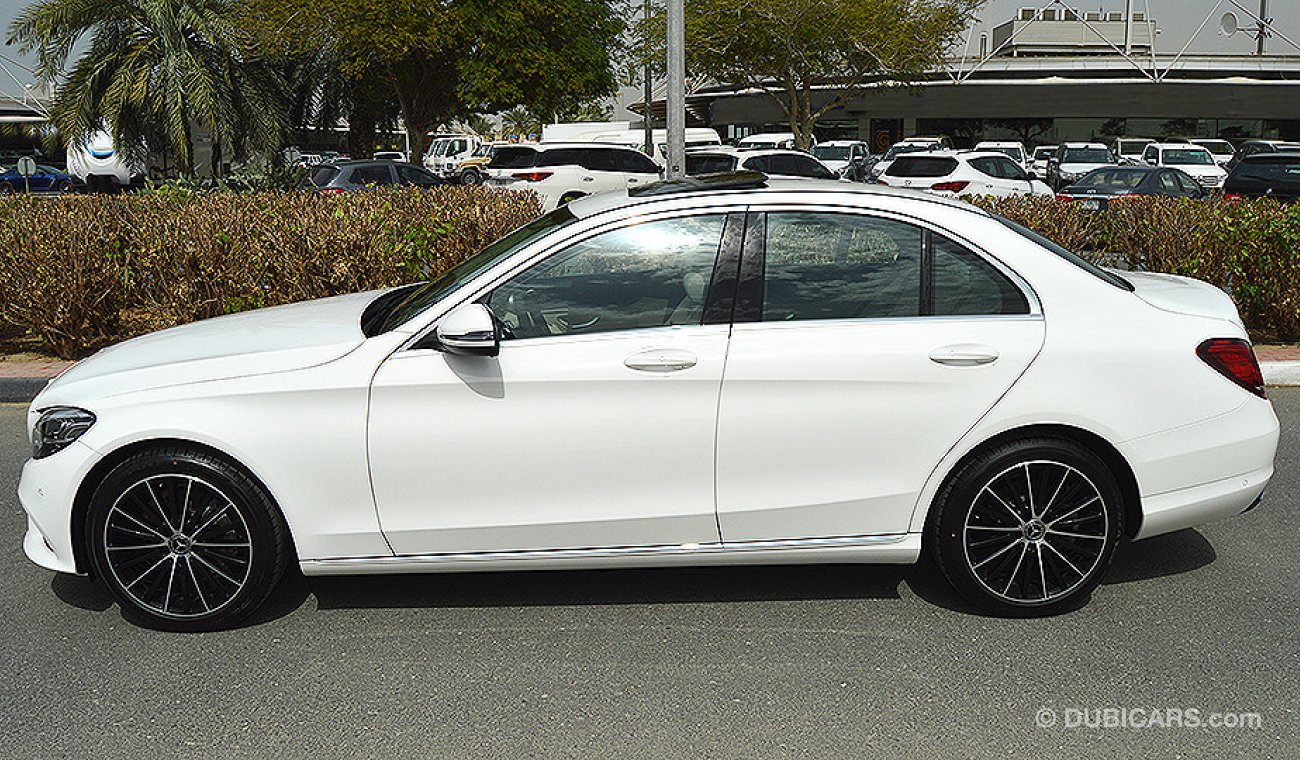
(709, 164)
(760, 164)
(1269, 169)
(840, 266)
(507, 157)
(965, 284)
(568, 157)
(413, 175)
(598, 159)
(799, 166)
(370, 175)
(922, 166)
(635, 162)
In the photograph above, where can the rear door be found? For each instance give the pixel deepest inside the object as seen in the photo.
(864, 347)
(638, 169)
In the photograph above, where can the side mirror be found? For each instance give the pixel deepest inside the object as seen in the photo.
(1033, 175)
(470, 330)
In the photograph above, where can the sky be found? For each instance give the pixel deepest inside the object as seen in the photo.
(1176, 19)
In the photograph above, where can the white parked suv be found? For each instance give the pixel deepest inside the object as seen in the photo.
(1193, 159)
(1129, 149)
(1222, 150)
(1015, 150)
(788, 164)
(562, 172)
(909, 145)
(957, 174)
(1075, 159)
(768, 140)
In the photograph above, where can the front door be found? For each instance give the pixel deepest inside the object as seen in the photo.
(864, 348)
(593, 428)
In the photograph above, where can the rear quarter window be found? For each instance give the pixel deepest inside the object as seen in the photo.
(921, 166)
(513, 158)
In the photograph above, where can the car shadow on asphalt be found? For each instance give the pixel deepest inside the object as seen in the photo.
(1172, 554)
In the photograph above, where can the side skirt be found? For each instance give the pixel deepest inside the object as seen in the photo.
(894, 548)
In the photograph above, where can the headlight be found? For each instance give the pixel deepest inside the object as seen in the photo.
(57, 428)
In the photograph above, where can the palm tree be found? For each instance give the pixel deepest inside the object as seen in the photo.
(154, 72)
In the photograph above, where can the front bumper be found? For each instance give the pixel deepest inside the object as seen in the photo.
(46, 492)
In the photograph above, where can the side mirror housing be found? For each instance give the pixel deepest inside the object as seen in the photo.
(470, 330)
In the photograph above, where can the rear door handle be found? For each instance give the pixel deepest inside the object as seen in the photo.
(964, 355)
(661, 360)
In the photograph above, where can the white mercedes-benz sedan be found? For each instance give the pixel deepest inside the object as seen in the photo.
(710, 371)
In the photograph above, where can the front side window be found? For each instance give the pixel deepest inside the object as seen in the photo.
(840, 266)
(371, 175)
(652, 274)
(709, 164)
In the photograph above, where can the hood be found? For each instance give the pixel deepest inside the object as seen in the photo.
(257, 342)
(1182, 295)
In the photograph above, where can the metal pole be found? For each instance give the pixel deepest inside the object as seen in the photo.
(676, 89)
(1128, 27)
(647, 96)
(1263, 27)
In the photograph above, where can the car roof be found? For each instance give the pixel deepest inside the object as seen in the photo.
(838, 143)
(543, 147)
(1178, 146)
(741, 152)
(1082, 145)
(1259, 157)
(807, 189)
(1001, 143)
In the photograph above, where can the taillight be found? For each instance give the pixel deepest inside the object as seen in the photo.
(881, 181)
(531, 176)
(1234, 359)
(1061, 197)
(1232, 196)
(331, 191)
(950, 187)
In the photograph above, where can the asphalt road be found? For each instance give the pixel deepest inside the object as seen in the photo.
(755, 662)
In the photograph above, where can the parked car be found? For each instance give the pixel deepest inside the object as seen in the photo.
(1098, 188)
(790, 164)
(890, 373)
(1222, 150)
(768, 141)
(909, 145)
(1013, 150)
(1128, 150)
(388, 155)
(850, 159)
(563, 172)
(1038, 165)
(1075, 159)
(47, 179)
(1251, 147)
(957, 174)
(1265, 175)
(348, 176)
(1193, 159)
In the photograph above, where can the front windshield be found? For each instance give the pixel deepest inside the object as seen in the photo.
(1042, 154)
(1086, 156)
(1188, 157)
(831, 152)
(429, 294)
(1132, 147)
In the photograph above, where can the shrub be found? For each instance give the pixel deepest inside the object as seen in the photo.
(79, 272)
(1250, 248)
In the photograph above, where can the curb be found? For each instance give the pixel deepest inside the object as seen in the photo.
(24, 389)
(21, 389)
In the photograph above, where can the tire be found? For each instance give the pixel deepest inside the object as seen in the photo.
(471, 177)
(226, 552)
(1010, 553)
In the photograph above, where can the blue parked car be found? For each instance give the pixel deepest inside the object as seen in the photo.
(47, 179)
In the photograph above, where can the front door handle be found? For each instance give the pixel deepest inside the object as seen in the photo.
(661, 360)
(964, 355)
(587, 179)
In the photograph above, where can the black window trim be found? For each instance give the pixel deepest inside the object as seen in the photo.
(749, 296)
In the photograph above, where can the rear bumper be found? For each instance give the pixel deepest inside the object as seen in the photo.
(1187, 507)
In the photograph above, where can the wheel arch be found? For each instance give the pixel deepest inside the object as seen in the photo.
(1104, 449)
(101, 469)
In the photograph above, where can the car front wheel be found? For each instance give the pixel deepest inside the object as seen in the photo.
(1028, 528)
(185, 541)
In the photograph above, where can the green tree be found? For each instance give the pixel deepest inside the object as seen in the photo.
(787, 48)
(154, 70)
(447, 60)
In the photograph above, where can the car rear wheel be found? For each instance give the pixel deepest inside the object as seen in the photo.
(185, 541)
(471, 177)
(1029, 527)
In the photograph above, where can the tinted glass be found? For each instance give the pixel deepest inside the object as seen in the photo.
(413, 175)
(1269, 169)
(370, 175)
(1188, 185)
(966, 284)
(1066, 254)
(508, 157)
(760, 164)
(568, 157)
(1008, 169)
(922, 166)
(635, 162)
(1086, 156)
(986, 166)
(1168, 184)
(1188, 157)
(805, 166)
(831, 152)
(1112, 179)
(322, 176)
(840, 266)
(647, 275)
(1012, 152)
(709, 164)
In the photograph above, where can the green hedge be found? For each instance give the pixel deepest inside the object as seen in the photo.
(1251, 249)
(79, 272)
